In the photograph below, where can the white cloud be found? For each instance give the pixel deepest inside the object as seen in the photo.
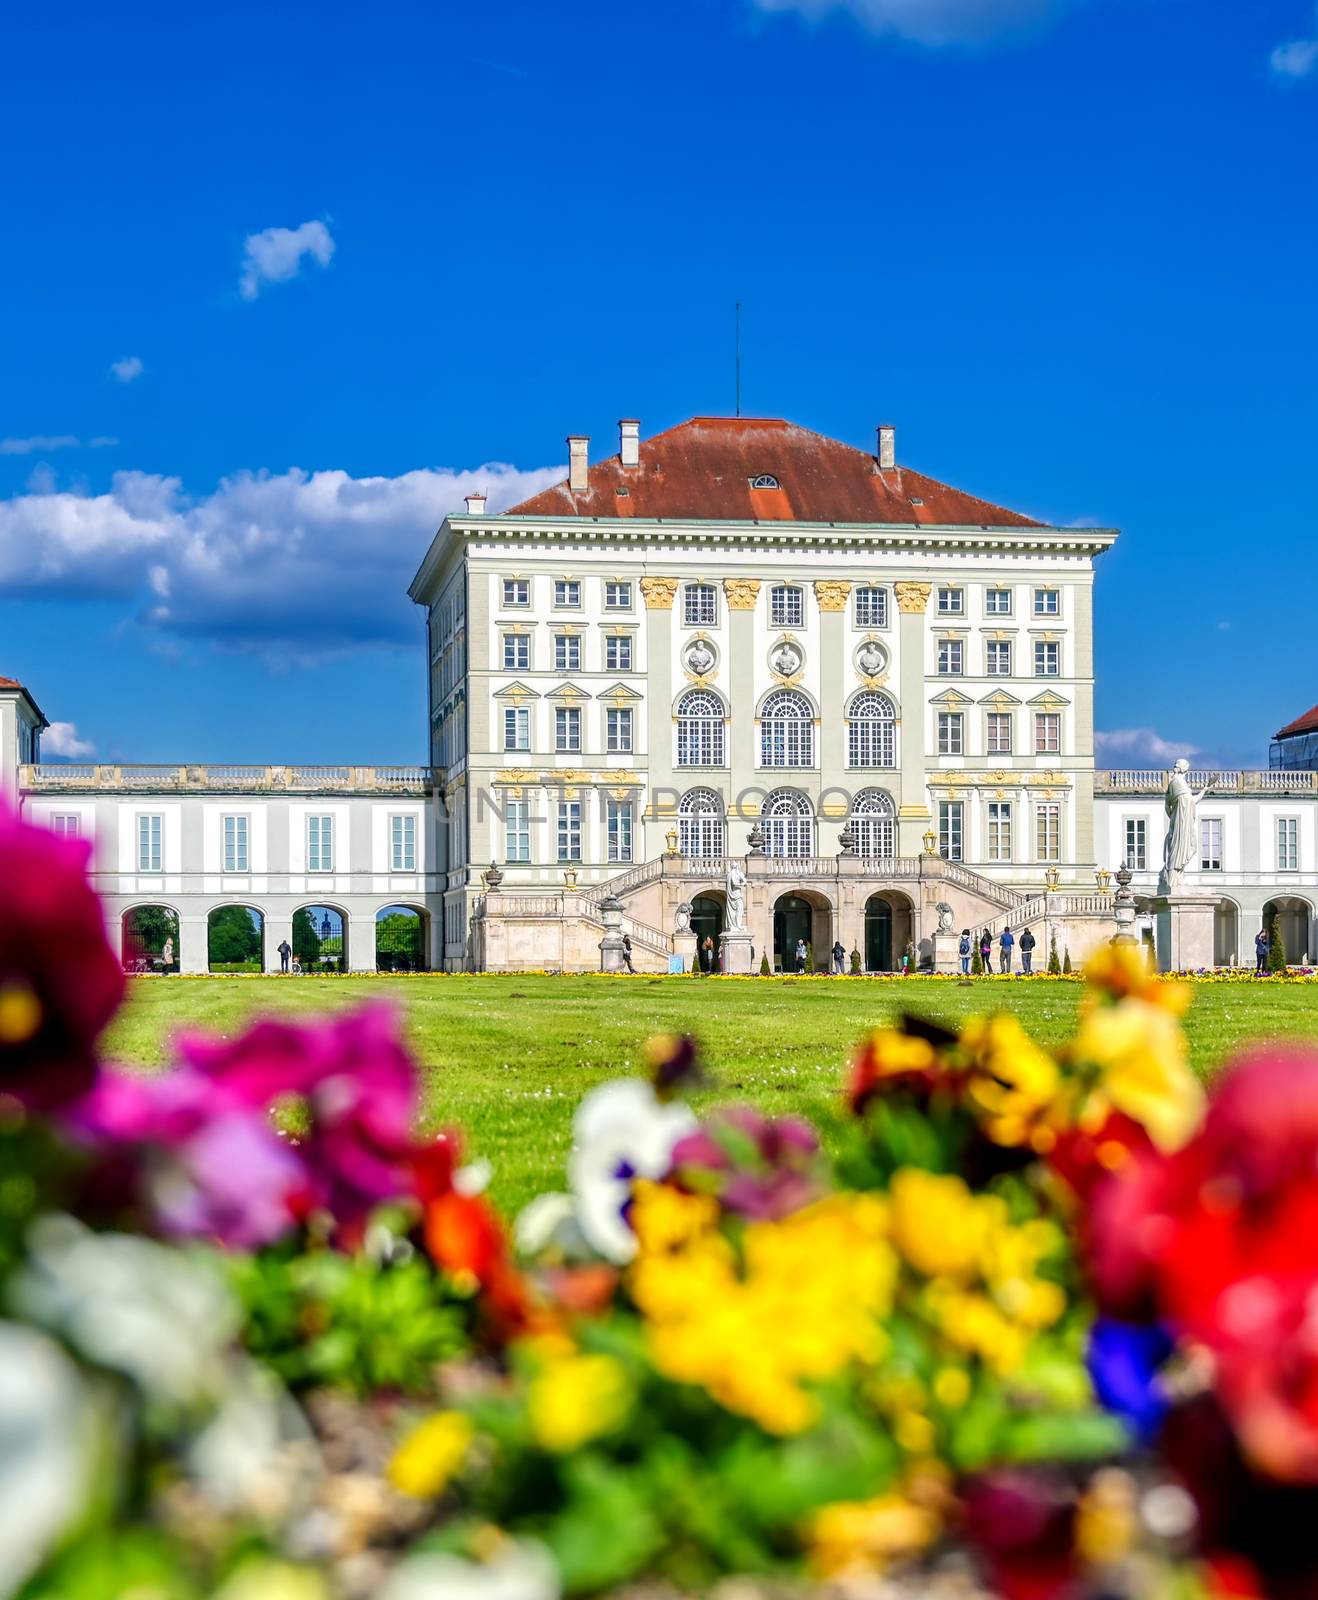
(294, 566)
(1141, 747)
(43, 443)
(275, 255)
(127, 370)
(1296, 59)
(61, 739)
(930, 22)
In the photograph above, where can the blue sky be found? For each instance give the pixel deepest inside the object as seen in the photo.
(281, 283)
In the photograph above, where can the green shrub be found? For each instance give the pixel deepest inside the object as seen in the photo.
(1276, 945)
(1054, 965)
(1066, 960)
(855, 963)
(764, 966)
(976, 962)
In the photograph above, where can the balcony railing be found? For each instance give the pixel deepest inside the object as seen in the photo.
(139, 778)
(1154, 781)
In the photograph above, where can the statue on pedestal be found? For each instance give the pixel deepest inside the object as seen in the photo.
(1181, 845)
(735, 920)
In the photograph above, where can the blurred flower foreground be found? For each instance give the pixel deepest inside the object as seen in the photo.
(1044, 1324)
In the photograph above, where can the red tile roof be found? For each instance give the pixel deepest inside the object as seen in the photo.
(703, 470)
(1308, 723)
(10, 683)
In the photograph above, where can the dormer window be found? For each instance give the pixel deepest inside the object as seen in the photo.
(765, 480)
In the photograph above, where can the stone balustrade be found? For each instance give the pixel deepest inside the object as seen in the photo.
(1154, 781)
(140, 778)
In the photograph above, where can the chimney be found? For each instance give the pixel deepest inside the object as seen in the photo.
(887, 447)
(476, 504)
(629, 442)
(577, 446)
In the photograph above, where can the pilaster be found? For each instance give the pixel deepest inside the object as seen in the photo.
(193, 950)
(742, 596)
(659, 594)
(832, 598)
(913, 806)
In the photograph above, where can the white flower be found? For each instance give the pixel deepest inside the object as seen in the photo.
(255, 1454)
(163, 1317)
(47, 1449)
(622, 1131)
(549, 1222)
(522, 1571)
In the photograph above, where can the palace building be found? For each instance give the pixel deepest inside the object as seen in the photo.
(736, 639)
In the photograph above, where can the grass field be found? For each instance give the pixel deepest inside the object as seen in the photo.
(507, 1058)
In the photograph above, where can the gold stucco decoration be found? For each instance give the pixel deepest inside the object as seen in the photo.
(741, 593)
(912, 597)
(659, 593)
(831, 593)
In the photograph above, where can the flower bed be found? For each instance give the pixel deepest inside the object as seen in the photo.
(1041, 1327)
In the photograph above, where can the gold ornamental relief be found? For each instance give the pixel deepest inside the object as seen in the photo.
(742, 593)
(831, 593)
(912, 598)
(659, 593)
(872, 683)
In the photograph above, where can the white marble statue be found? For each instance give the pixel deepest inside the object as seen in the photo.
(871, 659)
(786, 660)
(1181, 845)
(735, 921)
(700, 658)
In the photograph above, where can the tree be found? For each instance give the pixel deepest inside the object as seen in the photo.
(855, 963)
(1066, 960)
(1276, 944)
(146, 929)
(233, 938)
(399, 941)
(1054, 965)
(764, 966)
(306, 941)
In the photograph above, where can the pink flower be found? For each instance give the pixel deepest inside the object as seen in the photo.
(760, 1167)
(358, 1084)
(60, 982)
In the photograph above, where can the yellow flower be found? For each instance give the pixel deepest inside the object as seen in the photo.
(867, 1535)
(20, 1013)
(425, 1462)
(1144, 1070)
(951, 1387)
(1012, 1081)
(664, 1218)
(1116, 971)
(937, 1223)
(576, 1400)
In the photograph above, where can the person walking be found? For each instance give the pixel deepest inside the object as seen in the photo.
(1027, 952)
(285, 950)
(627, 952)
(1006, 944)
(839, 957)
(1262, 945)
(802, 954)
(964, 950)
(986, 950)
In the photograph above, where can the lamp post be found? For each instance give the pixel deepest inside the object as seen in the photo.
(930, 842)
(670, 839)
(1104, 879)
(1050, 880)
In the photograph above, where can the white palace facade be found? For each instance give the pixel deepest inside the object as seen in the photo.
(737, 639)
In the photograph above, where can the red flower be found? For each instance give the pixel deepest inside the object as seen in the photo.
(60, 982)
(1023, 1526)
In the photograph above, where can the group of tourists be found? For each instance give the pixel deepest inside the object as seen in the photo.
(1008, 944)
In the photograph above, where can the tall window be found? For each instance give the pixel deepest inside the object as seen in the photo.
(402, 843)
(517, 830)
(950, 819)
(999, 658)
(569, 830)
(999, 830)
(1210, 844)
(951, 725)
(873, 823)
(1047, 602)
(618, 827)
(517, 591)
(1048, 831)
(618, 652)
(320, 844)
(997, 602)
(699, 605)
(68, 825)
(951, 657)
(1047, 658)
(618, 722)
(567, 652)
(1047, 732)
(517, 727)
(1288, 844)
(235, 844)
(787, 731)
(700, 729)
(149, 830)
(617, 596)
(951, 602)
(785, 606)
(567, 593)
(517, 652)
(788, 823)
(871, 731)
(700, 828)
(999, 733)
(871, 607)
(1137, 843)
(567, 728)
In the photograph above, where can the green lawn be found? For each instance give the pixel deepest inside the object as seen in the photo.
(507, 1058)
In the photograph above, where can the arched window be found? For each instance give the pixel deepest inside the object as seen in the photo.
(788, 823)
(787, 731)
(871, 738)
(700, 830)
(873, 823)
(700, 729)
(764, 480)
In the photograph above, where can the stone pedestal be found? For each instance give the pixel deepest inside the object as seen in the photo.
(736, 953)
(611, 946)
(1184, 931)
(684, 945)
(946, 957)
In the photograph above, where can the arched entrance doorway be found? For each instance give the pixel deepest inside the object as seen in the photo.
(400, 939)
(878, 934)
(1226, 934)
(235, 939)
(707, 920)
(1293, 923)
(320, 939)
(792, 921)
(150, 939)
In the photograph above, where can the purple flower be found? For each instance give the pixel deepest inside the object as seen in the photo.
(760, 1167)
